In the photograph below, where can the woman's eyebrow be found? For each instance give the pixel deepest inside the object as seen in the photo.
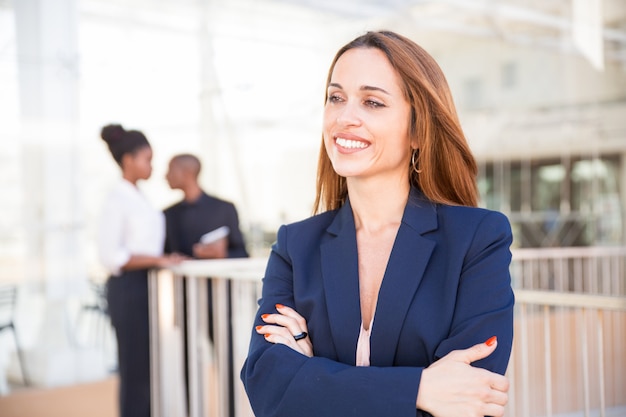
(363, 88)
(372, 88)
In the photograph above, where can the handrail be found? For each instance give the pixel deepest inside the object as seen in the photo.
(575, 252)
(239, 269)
(562, 299)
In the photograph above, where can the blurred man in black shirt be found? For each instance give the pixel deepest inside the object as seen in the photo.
(197, 214)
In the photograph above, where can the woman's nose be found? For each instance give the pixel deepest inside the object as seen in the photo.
(348, 115)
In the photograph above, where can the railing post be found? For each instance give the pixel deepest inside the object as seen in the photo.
(195, 400)
(524, 362)
(599, 327)
(585, 362)
(153, 315)
(547, 345)
(221, 301)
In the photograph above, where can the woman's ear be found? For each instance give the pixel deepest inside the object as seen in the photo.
(127, 160)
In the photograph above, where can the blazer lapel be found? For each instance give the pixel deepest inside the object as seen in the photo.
(341, 284)
(407, 262)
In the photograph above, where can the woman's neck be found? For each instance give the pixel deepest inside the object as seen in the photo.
(377, 204)
(129, 177)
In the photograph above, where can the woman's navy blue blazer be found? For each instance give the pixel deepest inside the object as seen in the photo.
(447, 286)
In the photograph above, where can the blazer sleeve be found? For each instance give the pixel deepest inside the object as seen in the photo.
(485, 300)
(281, 382)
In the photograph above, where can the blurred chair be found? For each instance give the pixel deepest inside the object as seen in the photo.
(8, 295)
(97, 306)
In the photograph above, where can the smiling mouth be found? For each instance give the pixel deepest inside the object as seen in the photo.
(351, 144)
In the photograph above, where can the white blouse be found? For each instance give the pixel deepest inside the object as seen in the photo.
(363, 345)
(129, 225)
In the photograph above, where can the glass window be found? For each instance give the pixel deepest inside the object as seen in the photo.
(568, 202)
(546, 187)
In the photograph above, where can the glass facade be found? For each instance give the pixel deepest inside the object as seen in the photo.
(571, 201)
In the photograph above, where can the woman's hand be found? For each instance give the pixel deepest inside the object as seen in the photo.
(284, 327)
(148, 261)
(168, 260)
(452, 387)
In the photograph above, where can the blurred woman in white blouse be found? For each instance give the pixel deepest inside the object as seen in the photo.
(130, 242)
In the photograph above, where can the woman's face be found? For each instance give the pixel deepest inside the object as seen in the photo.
(140, 163)
(366, 117)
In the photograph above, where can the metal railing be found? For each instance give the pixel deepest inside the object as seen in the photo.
(567, 347)
(569, 353)
(213, 388)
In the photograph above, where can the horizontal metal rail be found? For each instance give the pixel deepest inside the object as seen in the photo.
(574, 300)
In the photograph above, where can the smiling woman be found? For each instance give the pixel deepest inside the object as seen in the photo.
(366, 119)
(396, 298)
(442, 166)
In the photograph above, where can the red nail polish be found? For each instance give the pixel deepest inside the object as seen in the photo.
(264, 316)
(258, 327)
(279, 306)
(266, 335)
(491, 341)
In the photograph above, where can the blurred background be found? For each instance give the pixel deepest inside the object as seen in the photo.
(540, 87)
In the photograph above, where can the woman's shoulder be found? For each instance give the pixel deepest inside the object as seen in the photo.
(303, 236)
(124, 197)
(121, 188)
(319, 221)
(454, 213)
(114, 192)
(467, 217)
(478, 212)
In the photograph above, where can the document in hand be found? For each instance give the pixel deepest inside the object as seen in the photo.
(215, 235)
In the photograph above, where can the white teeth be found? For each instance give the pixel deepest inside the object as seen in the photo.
(347, 143)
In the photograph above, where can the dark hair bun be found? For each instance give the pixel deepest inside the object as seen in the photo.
(121, 141)
(112, 133)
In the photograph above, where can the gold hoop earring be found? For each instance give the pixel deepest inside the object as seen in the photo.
(414, 163)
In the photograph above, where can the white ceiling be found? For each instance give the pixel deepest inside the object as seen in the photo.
(542, 23)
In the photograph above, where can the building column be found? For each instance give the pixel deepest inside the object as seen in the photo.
(52, 215)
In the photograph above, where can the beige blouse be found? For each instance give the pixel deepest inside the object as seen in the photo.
(363, 345)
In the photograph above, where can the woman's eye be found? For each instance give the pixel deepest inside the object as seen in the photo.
(334, 98)
(373, 103)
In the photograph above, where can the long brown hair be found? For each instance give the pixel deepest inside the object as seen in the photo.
(443, 167)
